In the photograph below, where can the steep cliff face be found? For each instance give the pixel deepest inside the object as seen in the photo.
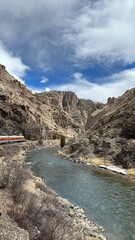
(117, 125)
(117, 118)
(110, 133)
(20, 111)
(68, 110)
(40, 115)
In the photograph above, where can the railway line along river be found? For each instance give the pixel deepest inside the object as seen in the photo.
(108, 200)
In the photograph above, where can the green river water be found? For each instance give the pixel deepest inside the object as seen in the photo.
(108, 200)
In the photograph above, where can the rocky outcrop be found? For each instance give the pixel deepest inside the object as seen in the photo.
(111, 151)
(110, 133)
(67, 101)
(20, 111)
(126, 155)
(67, 109)
(117, 119)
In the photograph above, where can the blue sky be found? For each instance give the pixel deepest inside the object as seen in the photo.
(84, 46)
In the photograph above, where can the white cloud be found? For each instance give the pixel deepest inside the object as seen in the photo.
(35, 89)
(104, 31)
(38, 89)
(47, 89)
(12, 63)
(45, 23)
(44, 80)
(70, 31)
(116, 85)
(62, 33)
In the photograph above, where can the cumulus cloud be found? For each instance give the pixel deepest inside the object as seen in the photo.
(12, 63)
(36, 29)
(104, 31)
(44, 80)
(116, 85)
(61, 32)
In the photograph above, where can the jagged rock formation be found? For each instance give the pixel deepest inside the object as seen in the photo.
(68, 110)
(40, 115)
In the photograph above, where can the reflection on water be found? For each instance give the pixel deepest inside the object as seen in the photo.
(107, 199)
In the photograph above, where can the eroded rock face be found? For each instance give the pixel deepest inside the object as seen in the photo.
(68, 111)
(117, 119)
(40, 115)
(126, 156)
(68, 102)
(111, 132)
(18, 108)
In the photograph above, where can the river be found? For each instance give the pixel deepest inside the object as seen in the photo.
(108, 200)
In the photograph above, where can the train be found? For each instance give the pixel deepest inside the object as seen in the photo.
(11, 139)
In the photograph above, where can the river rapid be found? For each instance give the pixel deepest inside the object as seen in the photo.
(108, 199)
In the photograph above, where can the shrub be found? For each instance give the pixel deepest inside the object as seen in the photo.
(45, 213)
(128, 129)
(101, 132)
(62, 141)
(90, 138)
(40, 141)
(57, 228)
(54, 136)
(13, 175)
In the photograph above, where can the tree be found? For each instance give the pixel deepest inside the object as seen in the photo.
(62, 141)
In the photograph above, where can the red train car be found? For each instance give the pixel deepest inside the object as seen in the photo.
(9, 139)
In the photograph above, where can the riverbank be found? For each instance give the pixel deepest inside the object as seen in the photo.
(37, 210)
(101, 163)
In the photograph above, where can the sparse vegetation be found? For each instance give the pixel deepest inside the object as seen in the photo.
(39, 212)
(101, 132)
(90, 138)
(40, 141)
(128, 129)
(54, 136)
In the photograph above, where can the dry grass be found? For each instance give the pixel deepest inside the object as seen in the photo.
(131, 172)
(36, 208)
(98, 161)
